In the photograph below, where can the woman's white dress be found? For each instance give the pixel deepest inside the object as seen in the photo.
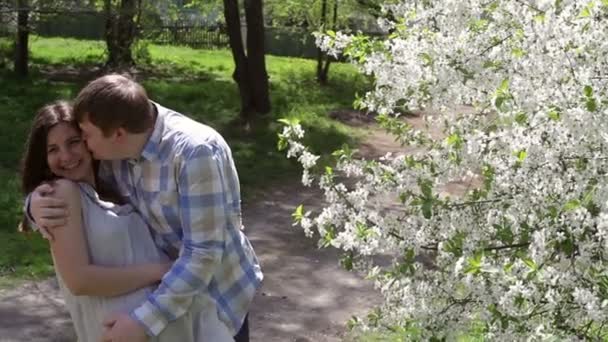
(117, 236)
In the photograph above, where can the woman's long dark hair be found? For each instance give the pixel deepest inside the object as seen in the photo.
(35, 169)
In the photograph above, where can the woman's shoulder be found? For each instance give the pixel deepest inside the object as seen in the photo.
(68, 191)
(66, 188)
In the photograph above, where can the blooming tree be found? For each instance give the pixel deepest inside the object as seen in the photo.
(524, 250)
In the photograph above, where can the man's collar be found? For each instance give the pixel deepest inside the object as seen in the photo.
(151, 149)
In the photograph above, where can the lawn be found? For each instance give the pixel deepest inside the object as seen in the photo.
(195, 82)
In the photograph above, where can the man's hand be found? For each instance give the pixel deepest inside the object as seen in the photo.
(122, 328)
(48, 212)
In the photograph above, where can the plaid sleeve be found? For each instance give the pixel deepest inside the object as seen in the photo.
(202, 211)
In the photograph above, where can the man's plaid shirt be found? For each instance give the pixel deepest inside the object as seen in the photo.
(186, 187)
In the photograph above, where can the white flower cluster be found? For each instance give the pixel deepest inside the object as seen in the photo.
(523, 251)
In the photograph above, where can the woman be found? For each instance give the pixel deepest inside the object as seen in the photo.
(105, 257)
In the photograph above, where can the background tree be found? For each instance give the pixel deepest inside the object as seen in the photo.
(120, 31)
(250, 65)
(21, 43)
(323, 60)
(26, 13)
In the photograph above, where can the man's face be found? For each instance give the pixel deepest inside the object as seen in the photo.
(102, 147)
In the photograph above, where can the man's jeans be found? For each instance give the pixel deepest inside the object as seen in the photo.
(243, 334)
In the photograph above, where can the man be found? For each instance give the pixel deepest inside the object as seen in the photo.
(181, 176)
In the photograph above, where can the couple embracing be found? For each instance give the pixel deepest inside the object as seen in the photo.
(141, 206)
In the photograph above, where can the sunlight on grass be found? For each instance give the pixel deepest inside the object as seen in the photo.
(66, 51)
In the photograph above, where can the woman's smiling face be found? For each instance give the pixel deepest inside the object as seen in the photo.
(67, 154)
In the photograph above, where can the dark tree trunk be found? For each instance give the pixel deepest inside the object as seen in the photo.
(323, 70)
(120, 33)
(258, 77)
(21, 46)
(233, 25)
(250, 66)
(320, 78)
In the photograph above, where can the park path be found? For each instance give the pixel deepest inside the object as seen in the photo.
(306, 295)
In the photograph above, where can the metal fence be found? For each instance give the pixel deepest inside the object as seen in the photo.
(193, 36)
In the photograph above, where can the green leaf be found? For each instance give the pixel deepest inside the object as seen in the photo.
(572, 204)
(454, 140)
(344, 152)
(554, 114)
(426, 59)
(330, 235)
(504, 233)
(588, 197)
(478, 25)
(553, 212)
(492, 65)
(521, 118)
(363, 231)
(404, 196)
(488, 176)
(427, 209)
(502, 95)
(298, 214)
(588, 91)
(530, 263)
(426, 188)
(329, 171)
(585, 13)
(474, 264)
(331, 33)
(454, 245)
(347, 261)
(282, 144)
(504, 86)
(567, 246)
(518, 53)
(522, 155)
(499, 102)
(591, 105)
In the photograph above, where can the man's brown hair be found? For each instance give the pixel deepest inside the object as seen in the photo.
(114, 101)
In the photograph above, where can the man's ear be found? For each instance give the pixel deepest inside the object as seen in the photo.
(120, 135)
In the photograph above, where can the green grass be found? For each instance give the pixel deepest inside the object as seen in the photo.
(195, 82)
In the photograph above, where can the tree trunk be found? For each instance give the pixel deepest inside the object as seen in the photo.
(120, 33)
(323, 71)
(258, 76)
(21, 46)
(233, 26)
(320, 77)
(250, 67)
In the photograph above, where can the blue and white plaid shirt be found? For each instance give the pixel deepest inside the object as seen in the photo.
(186, 187)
